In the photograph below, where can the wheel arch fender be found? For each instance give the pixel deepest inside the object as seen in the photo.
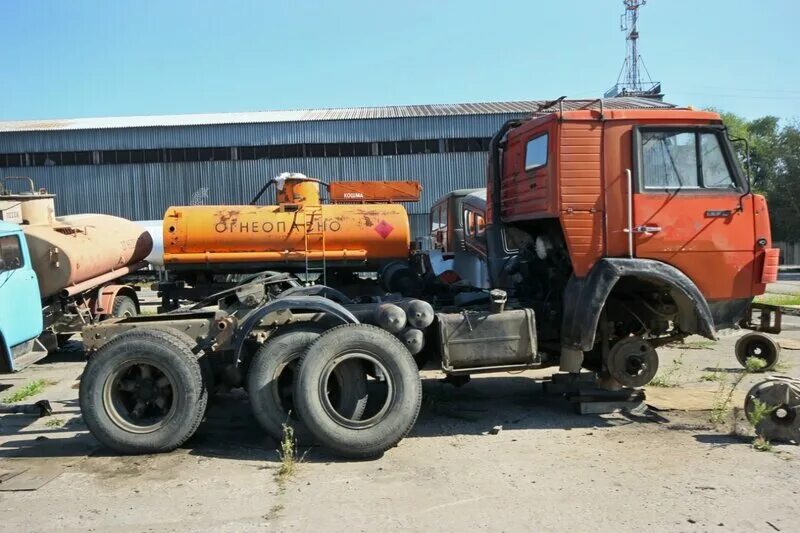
(317, 290)
(584, 298)
(286, 303)
(103, 304)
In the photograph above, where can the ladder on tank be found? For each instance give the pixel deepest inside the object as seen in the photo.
(314, 225)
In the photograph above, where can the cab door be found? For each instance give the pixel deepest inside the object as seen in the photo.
(20, 302)
(692, 208)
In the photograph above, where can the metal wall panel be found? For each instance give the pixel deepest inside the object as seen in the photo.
(144, 191)
(284, 127)
(330, 131)
(420, 230)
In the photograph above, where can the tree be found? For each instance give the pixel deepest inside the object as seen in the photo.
(774, 167)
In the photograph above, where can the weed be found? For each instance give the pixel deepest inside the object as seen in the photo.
(661, 381)
(724, 394)
(696, 345)
(760, 410)
(274, 512)
(754, 364)
(55, 422)
(668, 377)
(755, 416)
(715, 376)
(287, 454)
(719, 410)
(782, 366)
(761, 444)
(31, 389)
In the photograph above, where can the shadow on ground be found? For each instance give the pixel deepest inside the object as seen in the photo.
(229, 430)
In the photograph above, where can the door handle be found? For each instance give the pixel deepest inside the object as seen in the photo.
(646, 229)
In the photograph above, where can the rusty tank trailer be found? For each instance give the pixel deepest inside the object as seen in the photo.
(74, 252)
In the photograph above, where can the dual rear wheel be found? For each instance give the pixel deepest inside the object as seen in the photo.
(355, 388)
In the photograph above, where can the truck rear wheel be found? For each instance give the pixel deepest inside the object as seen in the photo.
(143, 392)
(385, 421)
(270, 383)
(124, 307)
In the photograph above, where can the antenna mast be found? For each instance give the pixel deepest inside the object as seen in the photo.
(629, 81)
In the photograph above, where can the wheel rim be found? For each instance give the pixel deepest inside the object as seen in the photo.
(759, 347)
(283, 385)
(139, 396)
(783, 421)
(331, 385)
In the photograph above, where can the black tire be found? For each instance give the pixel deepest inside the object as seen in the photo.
(202, 357)
(106, 395)
(270, 383)
(63, 338)
(124, 306)
(358, 438)
(758, 345)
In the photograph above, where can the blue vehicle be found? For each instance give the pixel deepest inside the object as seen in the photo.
(21, 320)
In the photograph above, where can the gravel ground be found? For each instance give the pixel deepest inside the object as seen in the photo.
(548, 469)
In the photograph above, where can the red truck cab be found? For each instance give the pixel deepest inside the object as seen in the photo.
(643, 216)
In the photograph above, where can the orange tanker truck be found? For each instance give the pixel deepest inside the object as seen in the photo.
(362, 229)
(607, 229)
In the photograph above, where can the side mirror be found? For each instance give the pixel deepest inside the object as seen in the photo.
(739, 140)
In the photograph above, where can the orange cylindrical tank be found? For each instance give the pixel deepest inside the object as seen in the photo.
(298, 190)
(369, 233)
(77, 248)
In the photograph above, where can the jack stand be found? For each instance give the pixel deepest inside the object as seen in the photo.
(582, 391)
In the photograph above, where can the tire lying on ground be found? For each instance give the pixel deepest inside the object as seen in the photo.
(143, 392)
(382, 426)
(270, 383)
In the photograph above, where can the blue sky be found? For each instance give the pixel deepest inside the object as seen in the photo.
(83, 58)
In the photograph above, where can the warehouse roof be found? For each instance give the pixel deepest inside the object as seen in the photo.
(305, 115)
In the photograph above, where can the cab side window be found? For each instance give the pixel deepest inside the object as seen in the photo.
(694, 159)
(536, 152)
(436, 214)
(716, 173)
(10, 253)
(474, 224)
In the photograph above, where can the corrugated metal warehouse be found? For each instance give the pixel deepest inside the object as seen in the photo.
(135, 167)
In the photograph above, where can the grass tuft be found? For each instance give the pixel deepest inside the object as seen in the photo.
(30, 389)
(55, 422)
(714, 376)
(274, 512)
(722, 398)
(761, 444)
(287, 454)
(668, 378)
(754, 364)
(778, 299)
(760, 410)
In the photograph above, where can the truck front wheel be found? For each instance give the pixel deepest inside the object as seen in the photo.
(395, 392)
(143, 392)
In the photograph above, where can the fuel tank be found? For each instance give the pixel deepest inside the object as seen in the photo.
(77, 248)
(66, 251)
(366, 234)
